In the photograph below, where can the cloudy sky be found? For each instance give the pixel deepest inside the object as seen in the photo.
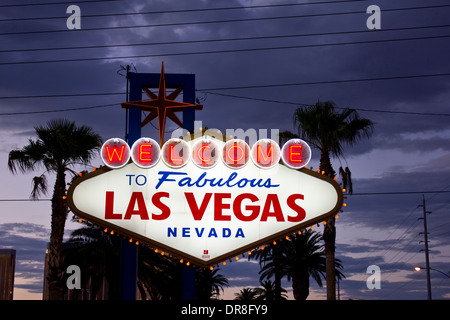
(255, 63)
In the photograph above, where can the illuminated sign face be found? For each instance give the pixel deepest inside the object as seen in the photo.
(211, 207)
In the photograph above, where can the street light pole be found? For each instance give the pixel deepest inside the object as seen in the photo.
(427, 257)
(445, 274)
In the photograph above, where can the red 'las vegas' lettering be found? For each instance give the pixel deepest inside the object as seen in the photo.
(301, 213)
(245, 207)
(197, 211)
(137, 207)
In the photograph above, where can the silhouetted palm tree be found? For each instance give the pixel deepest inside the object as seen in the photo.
(58, 147)
(159, 276)
(304, 258)
(209, 284)
(300, 257)
(271, 255)
(269, 292)
(97, 253)
(246, 294)
(328, 130)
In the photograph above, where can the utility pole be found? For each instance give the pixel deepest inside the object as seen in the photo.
(125, 72)
(427, 257)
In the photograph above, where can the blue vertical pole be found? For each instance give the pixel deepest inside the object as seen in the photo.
(129, 251)
(189, 97)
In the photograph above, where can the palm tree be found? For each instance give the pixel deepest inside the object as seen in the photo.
(270, 292)
(305, 258)
(97, 254)
(246, 294)
(209, 284)
(270, 263)
(297, 258)
(58, 147)
(328, 130)
(159, 276)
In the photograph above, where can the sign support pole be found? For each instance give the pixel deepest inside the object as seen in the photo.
(129, 251)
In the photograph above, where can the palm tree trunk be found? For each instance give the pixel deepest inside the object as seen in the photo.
(329, 234)
(277, 284)
(300, 283)
(59, 215)
(329, 237)
(277, 272)
(325, 164)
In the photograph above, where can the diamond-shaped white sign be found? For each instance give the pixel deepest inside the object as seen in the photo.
(205, 215)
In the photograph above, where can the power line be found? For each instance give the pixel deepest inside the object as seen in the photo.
(405, 262)
(328, 82)
(217, 21)
(222, 51)
(208, 90)
(308, 104)
(63, 95)
(184, 10)
(57, 110)
(214, 93)
(396, 193)
(437, 194)
(265, 100)
(22, 200)
(392, 232)
(408, 249)
(403, 220)
(402, 238)
(52, 3)
(224, 39)
(374, 193)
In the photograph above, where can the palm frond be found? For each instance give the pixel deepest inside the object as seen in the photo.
(284, 136)
(39, 186)
(346, 176)
(349, 178)
(325, 128)
(19, 160)
(343, 176)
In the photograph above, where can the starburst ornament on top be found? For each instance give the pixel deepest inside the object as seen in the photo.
(161, 106)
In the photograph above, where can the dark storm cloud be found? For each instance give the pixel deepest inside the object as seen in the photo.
(212, 70)
(413, 145)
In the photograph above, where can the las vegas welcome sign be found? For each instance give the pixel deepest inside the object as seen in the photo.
(205, 200)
